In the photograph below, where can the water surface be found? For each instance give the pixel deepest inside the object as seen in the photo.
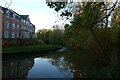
(59, 64)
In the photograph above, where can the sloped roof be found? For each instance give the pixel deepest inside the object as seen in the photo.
(3, 9)
(10, 10)
(24, 16)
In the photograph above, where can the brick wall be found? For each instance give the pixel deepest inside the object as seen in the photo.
(10, 29)
(0, 24)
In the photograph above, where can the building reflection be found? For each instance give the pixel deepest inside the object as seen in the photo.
(16, 68)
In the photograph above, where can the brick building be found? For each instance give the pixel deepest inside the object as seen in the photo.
(14, 25)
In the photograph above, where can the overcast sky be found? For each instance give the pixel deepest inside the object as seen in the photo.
(40, 14)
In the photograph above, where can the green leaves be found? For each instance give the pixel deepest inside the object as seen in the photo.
(50, 36)
(56, 5)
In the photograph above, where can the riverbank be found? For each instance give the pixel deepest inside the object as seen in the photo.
(33, 48)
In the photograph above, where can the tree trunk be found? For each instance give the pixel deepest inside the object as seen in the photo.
(106, 25)
(106, 20)
(118, 54)
(99, 45)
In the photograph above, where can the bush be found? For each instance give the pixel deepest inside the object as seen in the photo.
(22, 42)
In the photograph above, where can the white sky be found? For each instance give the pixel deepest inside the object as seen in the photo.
(40, 14)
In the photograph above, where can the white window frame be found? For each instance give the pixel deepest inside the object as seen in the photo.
(6, 34)
(13, 26)
(18, 26)
(8, 13)
(13, 35)
(14, 15)
(18, 35)
(7, 24)
(24, 22)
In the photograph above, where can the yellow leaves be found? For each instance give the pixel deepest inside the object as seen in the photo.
(116, 19)
(116, 15)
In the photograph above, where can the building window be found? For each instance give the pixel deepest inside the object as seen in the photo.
(13, 35)
(13, 26)
(8, 12)
(6, 34)
(18, 26)
(25, 34)
(14, 15)
(18, 35)
(24, 22)
(21, 35)
(24, 28)
(7, 24)
(21, 27)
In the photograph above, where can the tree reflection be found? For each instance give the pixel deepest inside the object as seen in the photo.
(84, 64)
(62, 65)
(16, 68)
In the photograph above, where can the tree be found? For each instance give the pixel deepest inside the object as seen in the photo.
(116, 17)
(50, 36)
(86, 15)
(74, 37)
(56, 36)
(43, 35)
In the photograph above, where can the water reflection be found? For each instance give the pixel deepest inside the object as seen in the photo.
(16, 68)
(84, 64)
(61, 64)
(44, 69)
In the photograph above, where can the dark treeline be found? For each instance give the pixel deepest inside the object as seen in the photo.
(50, 36)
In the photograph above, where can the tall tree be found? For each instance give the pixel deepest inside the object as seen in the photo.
(86, 15)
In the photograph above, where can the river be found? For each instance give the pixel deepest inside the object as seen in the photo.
(59, 64)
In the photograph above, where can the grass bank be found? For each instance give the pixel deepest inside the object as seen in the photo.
(33, 48)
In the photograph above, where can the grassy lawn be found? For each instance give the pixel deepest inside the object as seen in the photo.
(42, 47)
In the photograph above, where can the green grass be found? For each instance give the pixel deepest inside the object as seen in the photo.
(42, 47)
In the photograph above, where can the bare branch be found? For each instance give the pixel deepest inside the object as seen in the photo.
(99, 13)
(109, 12)
(10, 3)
